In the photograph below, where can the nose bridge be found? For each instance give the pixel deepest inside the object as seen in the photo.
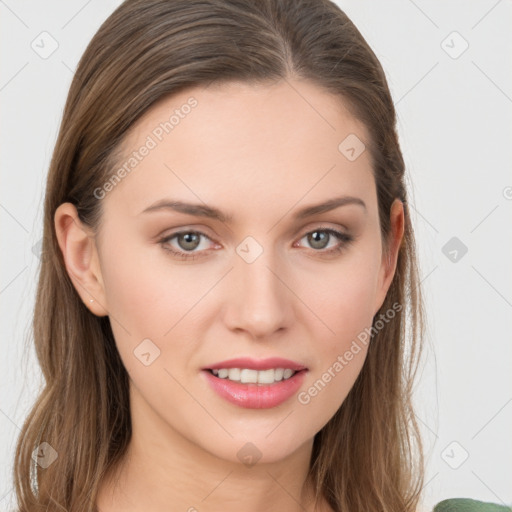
(261, 304)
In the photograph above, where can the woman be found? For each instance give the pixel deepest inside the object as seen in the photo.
(228, 265)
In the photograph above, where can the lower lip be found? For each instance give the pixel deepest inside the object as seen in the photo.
(254, 396)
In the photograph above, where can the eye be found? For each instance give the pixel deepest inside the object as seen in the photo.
(187, 242)
(319, 239)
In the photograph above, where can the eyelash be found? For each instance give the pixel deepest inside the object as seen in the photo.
(344, 238)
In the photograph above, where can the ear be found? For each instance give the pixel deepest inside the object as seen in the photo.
(78, 246)
(389, 260)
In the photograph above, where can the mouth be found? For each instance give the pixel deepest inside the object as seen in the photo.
(255, 383)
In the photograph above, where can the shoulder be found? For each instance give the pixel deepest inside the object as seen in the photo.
(469, 505)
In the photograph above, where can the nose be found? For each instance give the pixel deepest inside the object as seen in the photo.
(260, 302)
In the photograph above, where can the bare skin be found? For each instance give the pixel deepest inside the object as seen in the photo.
(260, 154)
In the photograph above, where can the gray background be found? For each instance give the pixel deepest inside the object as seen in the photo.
(454, 112)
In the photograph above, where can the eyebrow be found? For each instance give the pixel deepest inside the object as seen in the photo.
(202, 210)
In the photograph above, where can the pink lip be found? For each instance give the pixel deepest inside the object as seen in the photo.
(254, 364)
(255, 396)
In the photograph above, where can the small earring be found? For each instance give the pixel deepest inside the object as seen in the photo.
(92, 300)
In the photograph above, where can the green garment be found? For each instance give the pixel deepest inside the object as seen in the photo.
(467, 505)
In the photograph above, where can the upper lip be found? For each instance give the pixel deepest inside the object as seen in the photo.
(257, 364)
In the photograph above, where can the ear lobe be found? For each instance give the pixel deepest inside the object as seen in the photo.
(78, 247)
(389, 260)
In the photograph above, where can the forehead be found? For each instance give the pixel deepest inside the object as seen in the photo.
(244, 144)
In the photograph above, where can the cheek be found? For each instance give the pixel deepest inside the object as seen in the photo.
(348, 315)
(351, 308)
(345, 304)
(339, 355)
(147, 293)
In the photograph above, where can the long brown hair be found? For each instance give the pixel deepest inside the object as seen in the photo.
(369, 455)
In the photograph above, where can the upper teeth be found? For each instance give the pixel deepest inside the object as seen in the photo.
(246, 376)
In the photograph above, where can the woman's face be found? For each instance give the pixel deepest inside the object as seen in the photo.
(187, 291)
